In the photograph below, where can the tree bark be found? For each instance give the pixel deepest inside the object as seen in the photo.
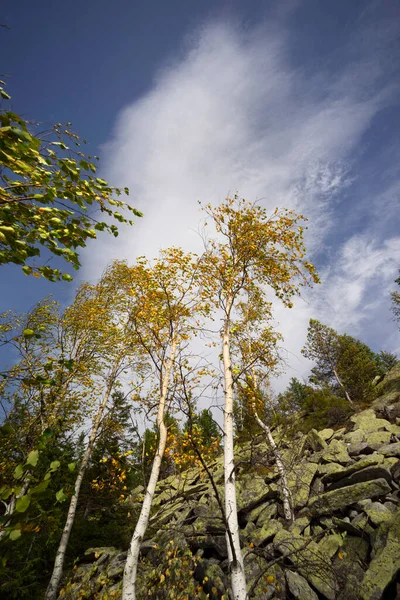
(236, 564)
(130, 572)
(286, 495)
(51, 592)
(350, 401)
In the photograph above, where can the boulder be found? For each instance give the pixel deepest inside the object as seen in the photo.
(377, 438)
(337, 474)
(340, 498)
(360, 448)
(354, 437)
(395, 470)
(299, 481)
(378, 513)
(252, 491)
(310, 561)
(326, 434)
(268, 513)
(314, 441)
(385, 565)
(336, 452)
(368, 422)
(368, 474)
(266, 533)
(391, 449)
(330, 544)
(299, 587)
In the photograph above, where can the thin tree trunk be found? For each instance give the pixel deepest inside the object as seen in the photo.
(130, 572)
(11, 506)
(286, 495)
(51, 592)
(350, 401)
(236, 563)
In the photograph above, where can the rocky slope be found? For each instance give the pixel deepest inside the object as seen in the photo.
(343, 545)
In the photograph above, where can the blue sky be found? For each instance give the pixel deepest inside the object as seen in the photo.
(294, 103)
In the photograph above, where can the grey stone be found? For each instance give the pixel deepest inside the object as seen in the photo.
(337, 474)
(326, 434)
(385, 565)
(330, 468)
(266, 515)
(390, 449)
(340, 498)
(310, 561)
(314, 441)
(360, 448)
(378, 513)
(330, 544)
(355, 437)
(299, 481)
(367, 421)
(368, 474)
(299, 587)
(336, 452)
(377, 438)
(350, 528)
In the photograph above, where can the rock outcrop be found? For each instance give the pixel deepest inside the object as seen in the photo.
(343, 545)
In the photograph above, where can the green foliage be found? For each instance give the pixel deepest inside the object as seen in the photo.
(357, 368)
(385, 361)
(206, 423)
(173, 577)
(319, 407)
(47, 187)
(343, 363)
(396, 302)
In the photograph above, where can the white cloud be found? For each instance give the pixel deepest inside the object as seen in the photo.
(232, 114)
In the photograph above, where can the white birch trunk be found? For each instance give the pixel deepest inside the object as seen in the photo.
(236, 564)
(51, 592)
(130, 572)
(286, 495)
(350, 401)
(11, 505)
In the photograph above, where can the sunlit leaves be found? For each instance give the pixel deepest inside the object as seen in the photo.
(22, 503)
(33, 458)
(47, 188)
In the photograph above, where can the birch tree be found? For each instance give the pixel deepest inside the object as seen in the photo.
(252, 250)
(254, 344)
(163, 303)
(99, 328)
(41, 392)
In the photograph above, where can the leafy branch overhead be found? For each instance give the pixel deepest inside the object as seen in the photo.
(47, 186)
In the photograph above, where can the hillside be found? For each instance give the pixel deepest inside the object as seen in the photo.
(344, 543)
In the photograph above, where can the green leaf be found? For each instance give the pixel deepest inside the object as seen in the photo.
(54, 465)
(41, 487)
(28, 333)
(61, 497)
(5, 492)
(33, 458)
(72, 466)
(19, 471)
(67, 277)
(22, 503)
(4, 94)
(15, 534)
